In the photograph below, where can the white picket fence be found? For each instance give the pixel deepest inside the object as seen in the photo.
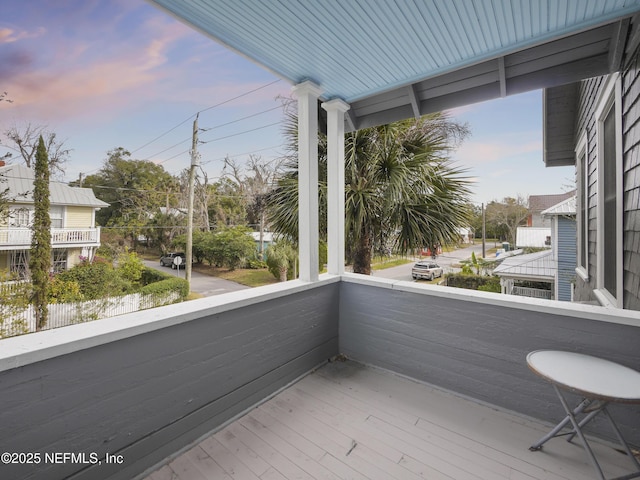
(64, 314)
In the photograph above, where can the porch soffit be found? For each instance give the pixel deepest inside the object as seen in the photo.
(395, 60)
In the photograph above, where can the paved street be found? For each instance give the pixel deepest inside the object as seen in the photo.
(202, 284)
(446, 260)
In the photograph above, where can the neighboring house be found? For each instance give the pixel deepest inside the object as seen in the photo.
(538, 203)
(517, 273)
(555, 267)
(267, 239)
(537, 237)
(595, 125)
(563, 244)
(466, 234)
(73, 228)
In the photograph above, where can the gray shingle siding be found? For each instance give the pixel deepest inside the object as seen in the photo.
(588, 95)
(586, 122)
(631, 184)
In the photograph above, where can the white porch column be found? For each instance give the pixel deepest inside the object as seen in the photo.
(335, 184)
(308, 222)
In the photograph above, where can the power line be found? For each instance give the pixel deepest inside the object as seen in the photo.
(204, 110)
(221, 138)
(241, 133)
(213, 128)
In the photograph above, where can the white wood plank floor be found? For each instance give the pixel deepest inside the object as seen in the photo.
(348, 421)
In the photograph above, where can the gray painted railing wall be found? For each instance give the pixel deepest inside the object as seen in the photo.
(478, 349)
(147, 396)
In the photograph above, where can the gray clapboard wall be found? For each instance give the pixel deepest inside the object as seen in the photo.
(566, 251)
(147, 396)
(478, 349)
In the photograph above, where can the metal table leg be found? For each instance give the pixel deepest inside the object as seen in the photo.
(577, 430)
(554, 433)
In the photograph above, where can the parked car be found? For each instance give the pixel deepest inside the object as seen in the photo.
(426, 269)
(169, 258)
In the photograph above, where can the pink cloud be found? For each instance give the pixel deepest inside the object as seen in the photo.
(75, 82)
(8, 35)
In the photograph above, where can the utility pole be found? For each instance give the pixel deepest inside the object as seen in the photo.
(80, 179)
(484, 254)
(195, 161)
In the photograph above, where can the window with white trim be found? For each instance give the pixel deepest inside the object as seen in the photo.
(21, 217)
(609, 136)
(56, 213)
(582, 197)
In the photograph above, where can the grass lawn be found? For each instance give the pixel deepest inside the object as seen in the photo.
(380, 263)
(243, 276)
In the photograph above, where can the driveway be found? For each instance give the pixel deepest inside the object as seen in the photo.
(202, 284)
(446, 260)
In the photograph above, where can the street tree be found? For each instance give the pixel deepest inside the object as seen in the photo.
(504, 217)
(254, 181)
(400, 187)
(40, 255)
(25, 140)
(134, 189)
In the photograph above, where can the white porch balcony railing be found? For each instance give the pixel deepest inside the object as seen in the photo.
(532, 292)
(21, 237)
(145, 385)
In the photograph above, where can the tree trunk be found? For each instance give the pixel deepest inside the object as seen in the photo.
(362, 253)
(261, 246)
(283, 274)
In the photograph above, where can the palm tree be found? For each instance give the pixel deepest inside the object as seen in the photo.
(281, 258)
(401, 189)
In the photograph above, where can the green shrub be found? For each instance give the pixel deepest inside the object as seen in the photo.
(166, 286)
(474, 282)
(130, 267)
(493, 286)
(256, 264)
(64, 291)
(151, 275)
(97, 279)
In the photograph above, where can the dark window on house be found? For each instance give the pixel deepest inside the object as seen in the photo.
(608, 179)
(19, 263)
(59, 263)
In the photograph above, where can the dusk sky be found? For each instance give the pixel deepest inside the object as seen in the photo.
(120, 73)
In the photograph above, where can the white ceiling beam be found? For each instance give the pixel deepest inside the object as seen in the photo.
(502, 76)
(618, 43)
(351, 120)
(413, 99)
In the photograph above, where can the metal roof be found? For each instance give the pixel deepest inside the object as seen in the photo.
(19, 181)
(393, 60)
(539, 265)
(566, 207)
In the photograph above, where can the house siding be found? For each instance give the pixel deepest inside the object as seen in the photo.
(78, 217)
(631, 183)
(589, 93)
(566, 252)
(479, 349)
(146, 396)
